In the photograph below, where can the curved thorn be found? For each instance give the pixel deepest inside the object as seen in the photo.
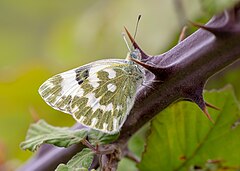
(205, 111)
(211, 106)
(183, 34)
(151, 68)
(129, 35)
(215, 31)
(197, 97)
(34, 114)
(135, 45)
(206, 103)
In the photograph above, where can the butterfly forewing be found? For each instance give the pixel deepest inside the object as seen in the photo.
(99, 95)
(59, 90)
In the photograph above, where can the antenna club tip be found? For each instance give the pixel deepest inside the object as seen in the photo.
(139, 16)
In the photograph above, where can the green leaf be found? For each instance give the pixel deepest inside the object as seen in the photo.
(98, 138)
(182, 137)
(216, 6)
(80, 162)
(63, 167)
(41, 132)
(136, 143)
(126, 164)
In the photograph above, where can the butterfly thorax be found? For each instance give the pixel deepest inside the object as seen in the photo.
(136, 70)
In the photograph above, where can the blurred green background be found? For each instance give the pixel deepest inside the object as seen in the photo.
(41, 38)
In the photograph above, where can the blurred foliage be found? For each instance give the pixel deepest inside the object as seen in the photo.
(135, 145)
(42, 38)
(182, 137)
(216, 6)
(80, 162)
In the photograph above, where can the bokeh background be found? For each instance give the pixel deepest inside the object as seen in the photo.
(41, 38)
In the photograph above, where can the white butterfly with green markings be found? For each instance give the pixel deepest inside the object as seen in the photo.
(98, 95)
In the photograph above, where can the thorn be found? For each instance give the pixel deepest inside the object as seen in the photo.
(205, 111)
(211, 106)
(182, 34)
(160, 73)
(129, 36)
(196, 96)
(135, 45)
(34, 114)
(206, 103)
(151, 68)
(213, 30)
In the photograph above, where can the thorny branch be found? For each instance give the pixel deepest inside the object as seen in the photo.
(183, 71)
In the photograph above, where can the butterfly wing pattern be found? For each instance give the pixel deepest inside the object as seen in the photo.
(98, 95)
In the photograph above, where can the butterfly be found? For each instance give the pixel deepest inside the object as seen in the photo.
(98, 95)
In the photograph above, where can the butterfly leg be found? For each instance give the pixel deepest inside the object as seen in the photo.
(145, 83)
(146, 61)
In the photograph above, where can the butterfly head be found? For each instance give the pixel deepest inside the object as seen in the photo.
(137, 70)
(135, 54)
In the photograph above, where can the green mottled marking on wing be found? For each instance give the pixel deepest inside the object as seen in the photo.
(117, 81)
(64, 102)
(71, 92)
(80, 103)
(126, 86)
(51, 89)
(81, 75)
(102, 75)
(59, 90)
(86, 87)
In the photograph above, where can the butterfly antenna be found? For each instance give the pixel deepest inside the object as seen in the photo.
(136, 28)
(135, 33)
(125, 40)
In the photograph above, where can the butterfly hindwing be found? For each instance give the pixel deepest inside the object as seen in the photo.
(108, 99)
(99, 95)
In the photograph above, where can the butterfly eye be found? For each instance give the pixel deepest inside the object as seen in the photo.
(136, 54)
